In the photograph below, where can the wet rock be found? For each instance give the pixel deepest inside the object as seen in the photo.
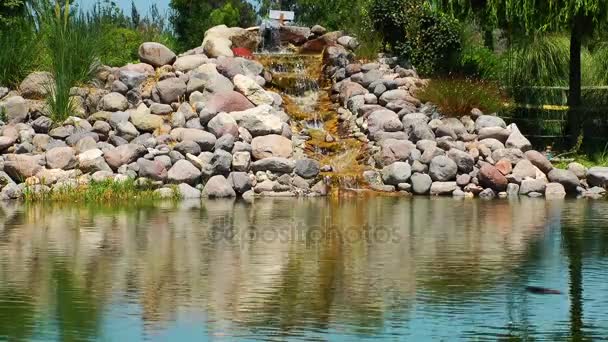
(487, 194)
(240, 182)
(512, 190)
(555, 191)
(186, 191)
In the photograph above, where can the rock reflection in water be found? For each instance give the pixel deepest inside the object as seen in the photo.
(290, 267)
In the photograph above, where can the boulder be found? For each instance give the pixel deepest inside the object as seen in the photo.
(171, 90)
(21, 166)
(218, 187)
(207, 78)
(512, 154)
(241, 161)
(578, 169)
(124, 154)
(490, 177)
(442, 169)
(252, 91)
(539, 160)
(205, 140)
(307, 168)
(383, 120)
(504, 166)
(517, 140)
(494, 132)
(114, 102)
(262, 120)
(598, 176)
(36, 85)
(294, 34)
(529, 186)
(564, 177)
(272, 145)
(61, 158)
(463, 160)
(421, 183)
(15, 109)
(240, 182)
(156, 54)
(443, 188)
(555, 191)
(484, 121)
(524, 169)
(396, 173)
(227, 101)
(274, 164)
(223, 124)
(6, 142)
(132, 78)
(152, 169)
(220, 40)
(184, 172)
(392, 150)
(190, 62)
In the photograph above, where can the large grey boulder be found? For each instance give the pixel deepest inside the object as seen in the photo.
(171, 90)
(227, 101)
(219, 40)
(186, 191)
(383, 120)
(19, 166)
(564, 177)
(240, 181)
(555, 191)
(421, 183)
(190, 62)
(207, 78)
(598, 176)
(442, 169)
(307, 168)
(463, 160)
(495, 132)
(523, 169)
(146, 122)
(156, 54)
(184, 172)
(131, 78)
(396, 173)
(484, 121)
(393, 150)
(517, 139)
(532, 186)
(272, 145)
(15, 108)
(218, 187)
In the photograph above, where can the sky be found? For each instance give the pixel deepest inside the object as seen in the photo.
(142, 5)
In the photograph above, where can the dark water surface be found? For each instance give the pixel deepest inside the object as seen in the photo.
(320, 270)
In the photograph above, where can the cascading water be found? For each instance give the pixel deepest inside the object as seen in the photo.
(298, 78)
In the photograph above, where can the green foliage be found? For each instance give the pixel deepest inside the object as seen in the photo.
(434, 42)
(19, 54)
(597, 69)
(390, 18)
(476, 60)
(191, 19)
(457, 97)
(11, 11)
(73, 52)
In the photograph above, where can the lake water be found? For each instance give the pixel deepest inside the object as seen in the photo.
(320, 270)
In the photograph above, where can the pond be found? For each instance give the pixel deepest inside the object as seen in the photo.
(325, 269)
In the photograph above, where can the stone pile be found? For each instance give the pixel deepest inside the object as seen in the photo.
(200, 122)
(418, 150)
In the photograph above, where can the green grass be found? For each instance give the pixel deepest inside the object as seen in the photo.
(102, 192)
(457, 97)
(19, 52)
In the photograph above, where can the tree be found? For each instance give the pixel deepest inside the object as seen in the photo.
(10, 10)
(135, 17)
(190, 19)
(579, 18)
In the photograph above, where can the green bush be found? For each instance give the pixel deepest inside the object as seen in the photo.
(457, 97)
(119, 45)
(390, 17)
(476, 60)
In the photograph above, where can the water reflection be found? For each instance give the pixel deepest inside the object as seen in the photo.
(307, 269)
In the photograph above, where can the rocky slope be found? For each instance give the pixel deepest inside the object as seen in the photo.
(204, 122)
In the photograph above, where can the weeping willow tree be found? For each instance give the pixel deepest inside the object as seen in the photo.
(579, 18)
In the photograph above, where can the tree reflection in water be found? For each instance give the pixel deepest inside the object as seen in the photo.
(295, 268)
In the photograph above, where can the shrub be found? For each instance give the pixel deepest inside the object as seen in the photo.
(476, 60)
(390, 17)
(119, 45)
(457, 97)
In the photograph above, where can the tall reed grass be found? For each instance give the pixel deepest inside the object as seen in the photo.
(73, 50)
(19, 51)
